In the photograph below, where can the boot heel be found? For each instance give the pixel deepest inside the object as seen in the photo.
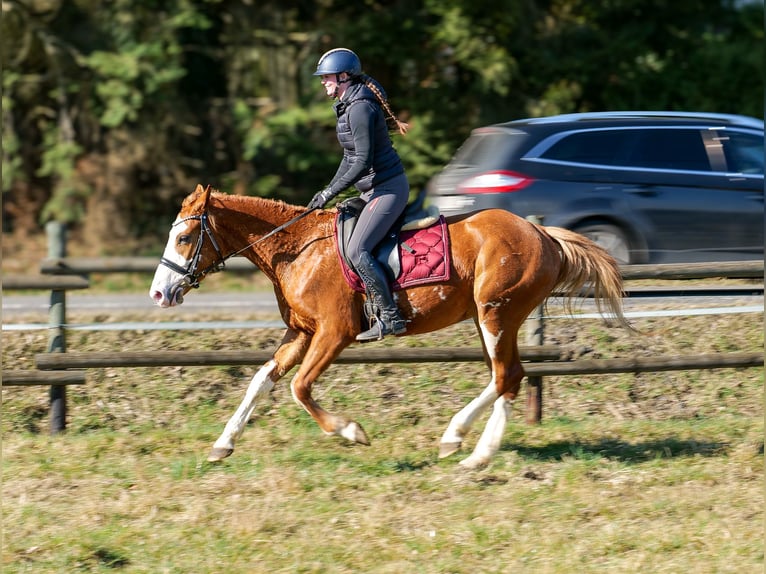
(398, 326)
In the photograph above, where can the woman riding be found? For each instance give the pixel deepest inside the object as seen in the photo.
(372, 165)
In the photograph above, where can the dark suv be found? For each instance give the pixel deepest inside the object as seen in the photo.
(651, 187)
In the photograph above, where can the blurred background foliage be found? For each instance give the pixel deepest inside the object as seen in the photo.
(113, 110)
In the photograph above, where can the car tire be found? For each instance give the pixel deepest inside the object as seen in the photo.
(610, 237)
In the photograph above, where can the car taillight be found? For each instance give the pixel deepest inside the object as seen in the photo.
(494, 182)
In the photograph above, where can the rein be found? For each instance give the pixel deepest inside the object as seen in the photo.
(191, 276)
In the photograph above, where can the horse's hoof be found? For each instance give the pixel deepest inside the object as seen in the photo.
(354, 432)
(473, 462)
(218, 454)
(448, 448)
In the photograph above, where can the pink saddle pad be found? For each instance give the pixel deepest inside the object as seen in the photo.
(424, 254)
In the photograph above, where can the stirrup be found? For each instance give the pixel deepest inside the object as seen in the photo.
(374, 333)
(380, 328)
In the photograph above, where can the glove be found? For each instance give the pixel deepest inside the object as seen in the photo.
(321, 199)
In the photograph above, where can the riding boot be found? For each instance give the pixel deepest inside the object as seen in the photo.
(389, 321)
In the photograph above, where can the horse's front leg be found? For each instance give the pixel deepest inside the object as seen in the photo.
(322, 352)
(288, 354)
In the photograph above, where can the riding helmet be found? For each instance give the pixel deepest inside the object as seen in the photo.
(339, 60)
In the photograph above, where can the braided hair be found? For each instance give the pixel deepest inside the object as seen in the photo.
(400, 126)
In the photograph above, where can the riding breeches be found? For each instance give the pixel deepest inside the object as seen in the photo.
(385, 204)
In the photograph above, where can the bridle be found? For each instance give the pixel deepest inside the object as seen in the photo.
(190, 275)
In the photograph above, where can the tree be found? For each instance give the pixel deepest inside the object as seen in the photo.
(115, 110)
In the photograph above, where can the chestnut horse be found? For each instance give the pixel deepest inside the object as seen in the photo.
(502, 267)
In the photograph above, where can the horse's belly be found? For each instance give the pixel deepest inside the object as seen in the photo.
(433, 307)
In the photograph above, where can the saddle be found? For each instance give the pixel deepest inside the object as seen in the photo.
(419, 236)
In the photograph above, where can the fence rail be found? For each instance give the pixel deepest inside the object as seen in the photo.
(45, 361)
(29, 378)
(44, 282)
(535, 360)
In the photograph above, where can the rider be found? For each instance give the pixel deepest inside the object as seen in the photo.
(371, 164)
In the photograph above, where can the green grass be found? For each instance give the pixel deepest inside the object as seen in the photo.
(657, 472)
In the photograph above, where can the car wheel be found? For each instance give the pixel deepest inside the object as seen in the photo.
(610, 237)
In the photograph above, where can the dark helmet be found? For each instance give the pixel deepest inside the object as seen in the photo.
(337, 61)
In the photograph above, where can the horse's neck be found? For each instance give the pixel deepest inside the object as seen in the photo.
(244, 220)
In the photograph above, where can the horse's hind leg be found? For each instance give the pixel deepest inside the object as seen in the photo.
(289, 353)
(491, 438)
(461, 423)
(507, 372)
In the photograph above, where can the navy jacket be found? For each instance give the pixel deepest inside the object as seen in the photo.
(369, 157)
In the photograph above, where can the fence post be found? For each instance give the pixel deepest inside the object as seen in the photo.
(56, 233)
(534, 410)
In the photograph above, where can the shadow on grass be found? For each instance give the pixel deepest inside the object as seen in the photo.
(619, 450)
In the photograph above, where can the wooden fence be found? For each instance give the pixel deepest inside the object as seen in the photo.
(666, 271)
(61, 273)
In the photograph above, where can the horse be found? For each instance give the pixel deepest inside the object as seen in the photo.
(501, 268)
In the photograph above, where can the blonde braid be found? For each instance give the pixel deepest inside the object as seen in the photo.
(401, 126)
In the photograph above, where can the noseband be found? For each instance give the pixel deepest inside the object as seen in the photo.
(191, 276)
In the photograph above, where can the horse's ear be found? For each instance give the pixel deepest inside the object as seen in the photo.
(199, 197)
(205, 195)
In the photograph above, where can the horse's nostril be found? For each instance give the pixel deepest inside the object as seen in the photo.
(156, 296)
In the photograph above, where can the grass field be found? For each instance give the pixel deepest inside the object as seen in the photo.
(656, 473)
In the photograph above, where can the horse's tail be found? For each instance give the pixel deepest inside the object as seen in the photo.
(585, 262)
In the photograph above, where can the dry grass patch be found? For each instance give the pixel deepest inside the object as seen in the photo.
(653, 472)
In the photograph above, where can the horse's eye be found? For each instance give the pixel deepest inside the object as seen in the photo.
(184, 240)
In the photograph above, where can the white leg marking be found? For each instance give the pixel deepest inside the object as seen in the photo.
(490, 340)
(462, 421)
(260, 386)
(490, 440)
(350, 431)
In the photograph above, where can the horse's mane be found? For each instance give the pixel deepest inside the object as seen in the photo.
(246, 203)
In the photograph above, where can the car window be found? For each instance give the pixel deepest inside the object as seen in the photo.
(597, 147)
(485, 150)
(743, 151)
(643, 147)
(669, 149)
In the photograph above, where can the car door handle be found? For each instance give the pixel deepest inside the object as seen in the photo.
(645, 190)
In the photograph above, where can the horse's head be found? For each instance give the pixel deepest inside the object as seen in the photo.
(191, 252)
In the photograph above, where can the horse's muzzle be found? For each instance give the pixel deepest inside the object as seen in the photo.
(169, 297)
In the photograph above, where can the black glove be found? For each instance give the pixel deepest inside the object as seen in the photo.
(321, 199)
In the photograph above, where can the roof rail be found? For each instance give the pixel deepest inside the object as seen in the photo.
(730, 119)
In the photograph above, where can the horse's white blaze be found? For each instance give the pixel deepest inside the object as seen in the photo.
(166, 281)
(490, 440)
(259, 387)
(462, 421)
